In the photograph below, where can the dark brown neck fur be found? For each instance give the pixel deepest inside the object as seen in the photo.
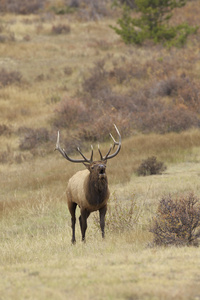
(97, 190)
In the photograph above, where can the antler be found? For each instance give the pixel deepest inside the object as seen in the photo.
(85, 160)
(64, 154)
(107, 156)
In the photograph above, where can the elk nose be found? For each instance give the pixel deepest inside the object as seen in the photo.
(101, 169)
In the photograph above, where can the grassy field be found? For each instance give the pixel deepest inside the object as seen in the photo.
(37, 260)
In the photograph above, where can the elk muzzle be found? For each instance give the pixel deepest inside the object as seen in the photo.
(102, 171)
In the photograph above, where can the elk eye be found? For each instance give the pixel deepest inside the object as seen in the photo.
(92, 167)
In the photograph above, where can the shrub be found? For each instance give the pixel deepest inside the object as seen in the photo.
(129, 3)
(10, 156)
(167, 119)
(177, 221)
(21, 6)
(151, 166)
(9, 77)
(61, 29)
(71, 143)
(166, 87)
(5, 130)
(31, 138)
(96, 80)
(68, 71)
(70, 113)
(121, 215)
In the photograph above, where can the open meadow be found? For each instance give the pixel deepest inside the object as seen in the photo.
(73, 73)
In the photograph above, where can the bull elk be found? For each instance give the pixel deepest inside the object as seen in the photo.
(89, 188)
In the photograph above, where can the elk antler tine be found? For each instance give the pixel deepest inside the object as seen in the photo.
(91, 157)
(116, 129)
(64, 154)
(78, 149)
(57, 142)
(101, 157)
(105, 157)
(115, 143)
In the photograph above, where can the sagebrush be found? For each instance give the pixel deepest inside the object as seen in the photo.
(151, 166)
(177, 221)
(122, 215)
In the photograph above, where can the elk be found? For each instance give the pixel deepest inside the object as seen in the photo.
(89, 188)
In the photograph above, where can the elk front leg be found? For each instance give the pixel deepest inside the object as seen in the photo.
(83, 222)
(72, 209)
(102, 213)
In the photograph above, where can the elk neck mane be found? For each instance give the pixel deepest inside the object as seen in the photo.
(96, 189)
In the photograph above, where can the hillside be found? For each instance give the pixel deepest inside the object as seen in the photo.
(72, 73)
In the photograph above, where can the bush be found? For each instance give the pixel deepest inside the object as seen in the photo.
(96, 80)
(151, 166)
(9, 77)
(70, 113)
(61, 29)
(5, 130)
(21, 6)
(129, 3)
(31, 138)
(164, 120)
(121, 215)
(177, 221)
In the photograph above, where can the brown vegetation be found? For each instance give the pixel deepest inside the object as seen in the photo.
(177, 221)
(151, 166)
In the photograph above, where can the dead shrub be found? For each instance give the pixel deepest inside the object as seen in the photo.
(189, 94)
(10, 156)
(166, 119)
(167, 87)
(96, 80)
(61, 29)
(5, 130)
(100, 126)
(68, 71)
(97, 130)
(120, 74)
(183, 89)
(71, 142)
(128, 71)
(93, 10)
(177, 221)
(121, 215)
(151, 166)
(21, 6)
(70, 113)
(31, 138)
(9, 77)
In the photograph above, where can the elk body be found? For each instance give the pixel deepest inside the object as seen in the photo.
(89, 188)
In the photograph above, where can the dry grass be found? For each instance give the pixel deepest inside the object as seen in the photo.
(35, 238)
(37, 260)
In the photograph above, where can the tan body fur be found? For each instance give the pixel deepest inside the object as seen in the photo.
(76, 192)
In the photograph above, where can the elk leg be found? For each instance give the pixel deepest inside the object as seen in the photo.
(72, 210)
(102, 213)
(83, 222)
